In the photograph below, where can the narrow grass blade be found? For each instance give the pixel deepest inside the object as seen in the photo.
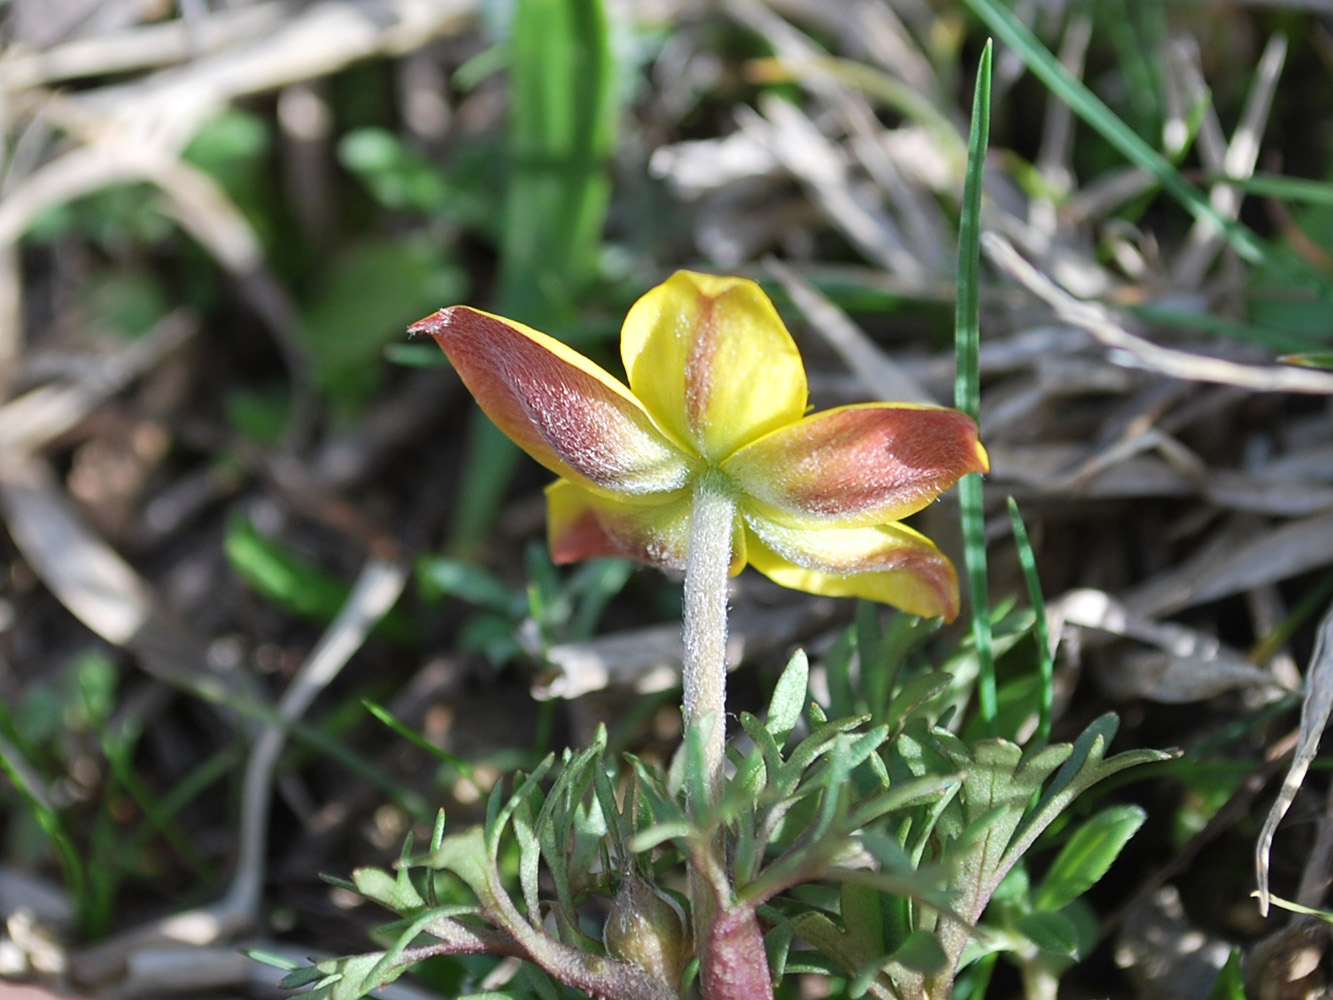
(967, 383)
(1088, 106)
(562, 127)
(562, 121)
(416, 739)
(17, 768)
(1045, 661)
(1297, 189)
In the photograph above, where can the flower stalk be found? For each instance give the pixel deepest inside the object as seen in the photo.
(705, 625)
(731, 945)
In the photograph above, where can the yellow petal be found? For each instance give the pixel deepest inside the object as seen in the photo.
(857, 465)
(558, 406)
(582, 525)
(889, 563)
(711, 360)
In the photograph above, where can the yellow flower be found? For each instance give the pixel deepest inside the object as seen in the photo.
(717, 389)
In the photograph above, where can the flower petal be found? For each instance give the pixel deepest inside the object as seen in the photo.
(890, 563)
(711, 360)
(582, 525)
(558, 406)
(858, 465)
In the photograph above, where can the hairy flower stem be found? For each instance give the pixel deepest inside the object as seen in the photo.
(705, 682)
(730, 944)
(705, 664)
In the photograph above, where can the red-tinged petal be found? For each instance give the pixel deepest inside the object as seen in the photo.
(889, 563)
(582, 525)
(858, 465)
(711, 360)
(558, 406)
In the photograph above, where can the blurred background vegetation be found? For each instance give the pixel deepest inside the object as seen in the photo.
(273, 593)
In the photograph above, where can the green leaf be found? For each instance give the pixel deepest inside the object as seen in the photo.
(363, 302)
(1086, 766)
(1230, 983)
(259, 414)
(915, 692)
(280, 575)
(441, 577)
(809, 749)
(921, 952)
(998, 786)
(394, 893)
(1050, 931)
(588, 591)
(1087, 855)
(784, 710)
(346, 978)
(297, 978)
(291, 581)
(862, 918)
(397, 177)
(904, 795)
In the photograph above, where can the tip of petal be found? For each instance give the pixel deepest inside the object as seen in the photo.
(983, 459)
(432, 325)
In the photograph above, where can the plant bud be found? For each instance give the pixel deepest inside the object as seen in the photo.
(648, 928)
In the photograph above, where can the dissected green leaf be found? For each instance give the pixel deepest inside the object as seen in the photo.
(788, 701)
(914, 693)
(393, 892)
(903, 795)
(1086, 766)
(1049, 930)
(347, 978)
(817, 743)
(862, 918)
(921, 952)
(1087, 855)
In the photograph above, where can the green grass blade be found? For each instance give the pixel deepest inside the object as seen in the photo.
(1045, 663)
(561, 133)
(1297, 189)
(1089, 107)
(489, 463)
(562, 127)
(15, 765)
(1274, 339)
(967, 382)
(416, 739)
